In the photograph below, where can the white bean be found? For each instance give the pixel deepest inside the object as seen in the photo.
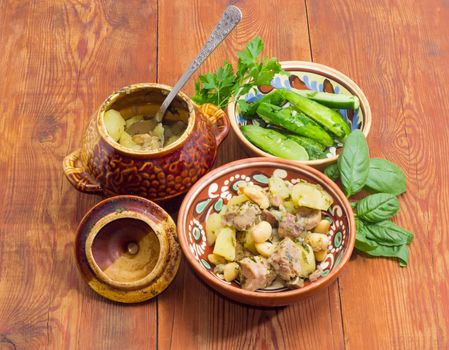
(322, 227)
(265, 249)
(321, 255)
(261, 231)
(216, 259)
(231, 271)
(257, 195)
(317, 241)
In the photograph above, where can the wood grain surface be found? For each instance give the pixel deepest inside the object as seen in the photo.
(60, 59)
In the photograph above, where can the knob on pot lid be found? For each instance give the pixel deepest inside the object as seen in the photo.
(127, 249)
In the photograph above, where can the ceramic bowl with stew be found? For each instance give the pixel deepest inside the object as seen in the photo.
(213, 191)
(308, 76)
(101, 165)
(127, 250)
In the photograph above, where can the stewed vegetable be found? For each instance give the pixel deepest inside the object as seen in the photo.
(271, 236)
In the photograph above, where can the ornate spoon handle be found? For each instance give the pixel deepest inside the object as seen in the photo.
(231, 17)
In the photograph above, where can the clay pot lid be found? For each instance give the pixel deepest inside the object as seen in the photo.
(127, 249)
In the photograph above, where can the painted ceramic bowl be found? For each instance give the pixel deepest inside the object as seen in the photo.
(127, 250)
(102, 165)
(213, 191)
(309, 76)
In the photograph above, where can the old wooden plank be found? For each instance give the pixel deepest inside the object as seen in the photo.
(59, 61)
(190, 314)
(396, 51)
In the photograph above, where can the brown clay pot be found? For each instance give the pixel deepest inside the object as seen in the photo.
(102, 165)
(127, 250)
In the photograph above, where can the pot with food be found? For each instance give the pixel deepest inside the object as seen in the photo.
(125, 150)
(266, 231)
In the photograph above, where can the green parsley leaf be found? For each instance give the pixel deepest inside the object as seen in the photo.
(218, 87)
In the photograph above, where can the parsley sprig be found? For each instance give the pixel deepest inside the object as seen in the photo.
(218, 87)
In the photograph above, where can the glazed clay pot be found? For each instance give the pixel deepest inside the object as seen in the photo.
(127, 250)
(102, 165)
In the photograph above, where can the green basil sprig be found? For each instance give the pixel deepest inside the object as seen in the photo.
(377, 207)
(376, 235)
(353, 163)
(362, 243)
(388, 233)
(399, 252)
(385, 176)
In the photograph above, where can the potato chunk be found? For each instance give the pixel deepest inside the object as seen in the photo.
(312, 196)
(213, 226)
(115, 124)
(225, 244)
(278, 187)
(307, 260)
(127, 141)
(235, 201)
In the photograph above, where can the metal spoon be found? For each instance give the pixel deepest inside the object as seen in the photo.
(231, 17)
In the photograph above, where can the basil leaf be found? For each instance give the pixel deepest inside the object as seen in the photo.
(400, 252)
(377, 207)
(353, 163)
(361, 242)
(385, 176)
(373, 248)
(332, 172)
(387, 233)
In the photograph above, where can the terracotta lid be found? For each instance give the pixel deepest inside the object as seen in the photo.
(127, 249)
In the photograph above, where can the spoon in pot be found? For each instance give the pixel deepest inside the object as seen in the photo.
(231, 17)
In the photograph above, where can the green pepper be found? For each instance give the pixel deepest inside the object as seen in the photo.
(328, 118)
(334, 101)
(294, 121)
(314, 149)
(274, 142)
(275, 97)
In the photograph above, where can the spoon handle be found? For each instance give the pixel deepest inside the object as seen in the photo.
(231, 17)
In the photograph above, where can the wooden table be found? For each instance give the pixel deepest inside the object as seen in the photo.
(60, 59)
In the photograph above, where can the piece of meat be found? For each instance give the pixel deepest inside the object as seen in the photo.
(243, 218)
(295, 283)
(286, 260)
(308, 217)
(228, 218)
(218, 269)
(240, 251)
(290, 227)
(315, 274)
(268, 216)
(255, 273)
